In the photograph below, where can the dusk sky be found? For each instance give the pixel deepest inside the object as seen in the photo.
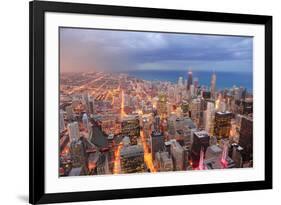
(106, 50)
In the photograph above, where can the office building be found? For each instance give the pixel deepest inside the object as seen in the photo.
(130, 126)
(213, 86)
(246, 138)
(189, 80)
(62, 124)
(164, 161)
(222, 124)
(180, 81)
(200, 142)
(85, 121)
(78, 154)
(132, 159)
(209, 118)
(156, 124)
(69, 112)
(177, 153)
(195, 111)
(157, 143)
(162, 105)
(73, 131)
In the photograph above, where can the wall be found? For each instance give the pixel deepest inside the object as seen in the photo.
(14, 99)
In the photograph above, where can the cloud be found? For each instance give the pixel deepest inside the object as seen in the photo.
(90, 49)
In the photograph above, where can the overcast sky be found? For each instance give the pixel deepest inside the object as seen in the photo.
(107, 50)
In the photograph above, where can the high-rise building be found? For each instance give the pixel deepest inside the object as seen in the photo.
(164, 161)
(86, 101)
(157, 143)
(130, 126)
(195, 111)
(185, 107)
(156, 124)
(177, 153)
(192, 90)
(237, 155)
(62, 125)
(200, 142)
(92, 106)
(73, 131)
(180, 81)
(132, 159)
(213, 85)
(78, 154)
(246, 138)
(209, 118)
(213, 151)
(69, 112)
(222, 124)
(162, 105)
(196, 83)
(189, 79)
(188, 129)
(85, 121)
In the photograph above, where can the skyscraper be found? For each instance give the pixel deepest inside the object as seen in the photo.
(69, 112)
(209, 118)
(73, 131)
(246, 138)
(62, 125)
(177, 155)
(78, 154)
(85, 121)
(200, 142)
(156, 123)
(180, 81)
(130, 126)
(157, 143)
(213, 85)
(162, 105)
(132, 159)
(222, 124)
(195, 111)
(189, 79)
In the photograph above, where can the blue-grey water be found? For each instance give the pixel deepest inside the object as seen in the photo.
(224, 79)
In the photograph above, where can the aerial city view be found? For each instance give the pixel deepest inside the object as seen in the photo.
(141, 102)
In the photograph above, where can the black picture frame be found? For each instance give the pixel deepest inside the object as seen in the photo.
(37, 11)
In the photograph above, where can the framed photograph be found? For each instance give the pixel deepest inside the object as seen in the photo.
(130, 102)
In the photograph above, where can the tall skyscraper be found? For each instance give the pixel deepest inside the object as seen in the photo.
(73, 131)
(130, 126)
(78, 154)
(195, 111)
(156, 123)
(62, 125)
(246, 138)
(177, 153)
(86, 101)
(213, 85)
(157, 143)
(164, 161)
(200, 142)
(189, 79)
(162, 105)
(222, 124)
(132, 159)
(92, 106)
(69, 112)
(180, 81)
(85, 121)
(209, 118)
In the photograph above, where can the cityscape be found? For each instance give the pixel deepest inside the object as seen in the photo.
(122, 123)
